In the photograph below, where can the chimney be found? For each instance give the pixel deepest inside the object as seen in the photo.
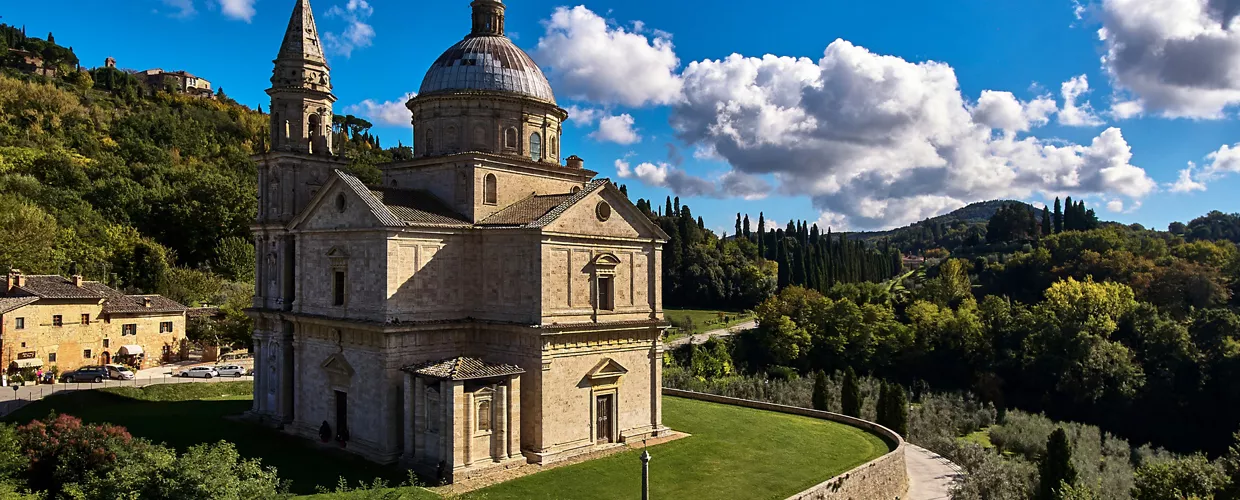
(14, 280)
(77, 280)
(575, 161)
(146, 302)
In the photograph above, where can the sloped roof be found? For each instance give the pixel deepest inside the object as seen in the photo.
(463, 368)
(10, 303)
(559, 210)
(51, 286)
(417, 207)
(137, 304)
(526, 210)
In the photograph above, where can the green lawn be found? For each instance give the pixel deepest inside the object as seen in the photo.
(733, 452)
(703, 320)
(182, 415)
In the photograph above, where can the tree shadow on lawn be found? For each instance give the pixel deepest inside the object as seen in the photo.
(181, 424)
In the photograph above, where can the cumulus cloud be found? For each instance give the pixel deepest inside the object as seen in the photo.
(666, 176)
(357, 34)
(242, 10)
(593, 60)
(877, 141)
(1225, 160)
(1115, 206)
(391, 113)
(1001, 110)
(618, 129)
(583, 117)
(1185, 182)
(185, 8)
(1072, 114)
(1180, 58)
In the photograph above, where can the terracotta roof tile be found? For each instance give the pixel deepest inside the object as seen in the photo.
(10, 303)
(525, 211)
(137, 304)
(417, 207)
(463, 368)
(51, 286)
(559, 210)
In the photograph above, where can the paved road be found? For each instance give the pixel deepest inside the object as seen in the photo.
(722, 332)
(930, 475)
(11, 400)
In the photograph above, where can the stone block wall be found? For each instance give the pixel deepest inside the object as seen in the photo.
(884, 478)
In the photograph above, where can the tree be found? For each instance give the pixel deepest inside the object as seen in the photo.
(761, 236)
(738, 224)
(850, 396)
(1046, 221)
(822, 395)
(234, 258)
(882, 409)
(897, 409)
(1174, 478)
(1055, 469)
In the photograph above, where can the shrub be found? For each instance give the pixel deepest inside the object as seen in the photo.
(1174, 478)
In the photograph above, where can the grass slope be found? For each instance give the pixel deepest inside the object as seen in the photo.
(703, 320)
(733, 453)
(182, 415)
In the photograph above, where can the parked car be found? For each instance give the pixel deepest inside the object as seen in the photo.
(201, 372)
(230, 370)
(86, 374)
(119, 372)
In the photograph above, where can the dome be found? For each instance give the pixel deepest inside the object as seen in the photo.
(485, 63)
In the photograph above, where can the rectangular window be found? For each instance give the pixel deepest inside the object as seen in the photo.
(85, 319)
(19, 323)
(165, 327)
(86, 354)
(51, 357)
(107, 343)
(606, 293)
(23, 344)
(484, 415)
(57, 320)
(129, 329)
(338, 288)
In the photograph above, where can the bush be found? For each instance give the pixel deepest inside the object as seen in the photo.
(1174, 478)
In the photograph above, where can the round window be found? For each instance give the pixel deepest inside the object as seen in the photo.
(340, 202)
(603, 211)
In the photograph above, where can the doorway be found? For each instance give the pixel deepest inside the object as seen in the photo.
(107, 357)
(342, 415)
(603, 411)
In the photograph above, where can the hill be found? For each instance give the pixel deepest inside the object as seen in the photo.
(949, 230)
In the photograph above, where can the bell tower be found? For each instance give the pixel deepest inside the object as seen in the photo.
(301, 89)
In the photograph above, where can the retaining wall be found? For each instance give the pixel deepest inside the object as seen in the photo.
(884, 478)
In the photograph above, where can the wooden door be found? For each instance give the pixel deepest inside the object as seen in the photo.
(603, 418)
(342, 415)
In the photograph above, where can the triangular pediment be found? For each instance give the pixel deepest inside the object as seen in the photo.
(344, 203)
(607, 212)
(608, 369)
(337, 365)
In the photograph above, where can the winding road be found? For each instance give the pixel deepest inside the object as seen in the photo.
(704, 336)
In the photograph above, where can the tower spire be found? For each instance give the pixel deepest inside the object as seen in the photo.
(488, 18)
(301, 89)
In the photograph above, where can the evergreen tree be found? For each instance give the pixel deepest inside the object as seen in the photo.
(701, 224)
(738, 223)
(781, 257)
(761, 236)
(624, 189)
(822, 395)
(676, 205)
(897, 410)
(850, 399)
(745, 227)
(668, 211)
(1068, 208)
(883, 407)
(1055, 468)
(1058, 216)
(1046, 221)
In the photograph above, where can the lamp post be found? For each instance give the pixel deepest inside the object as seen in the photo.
(645, 472)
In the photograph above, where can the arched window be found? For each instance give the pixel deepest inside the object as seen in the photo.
(489, 190)
(535, 146)
(510, 138)
(429, 140)
(484, 415)
(313, 127)
(552, 142)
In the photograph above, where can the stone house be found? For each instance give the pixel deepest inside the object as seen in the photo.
(181, 81)
(49, 320)
(491, 303)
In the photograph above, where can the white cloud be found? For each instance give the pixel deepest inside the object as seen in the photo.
(185, 8)
(623, 170)
(1185, 182)
(1123, 110)
(1180, 58)
(1074, 115)
(583, 117)
(607, 64)
(391, 113)
(1115, 206)
(357, 34)
(664, 175)
(1225, 160)
(241, 10)
(618, 129)
(877, 141)
(1001, 110)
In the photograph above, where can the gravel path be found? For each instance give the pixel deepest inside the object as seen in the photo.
(930, 475)
(722, 332)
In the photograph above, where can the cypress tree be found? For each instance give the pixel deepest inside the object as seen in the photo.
(1068, 209)
(850, 399)
(745, 227)
(1046, 221)
(738, 223)
(781, 257)
(676, 205)
(883, 407)
(897, 411)
(1055, 468)
(668, 211)
(761, 236)
(1058, 216)
(701, 224)
(822, 395)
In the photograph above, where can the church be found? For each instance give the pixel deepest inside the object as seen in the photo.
(490, 304)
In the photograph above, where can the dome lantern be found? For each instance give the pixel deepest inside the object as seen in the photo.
(488, 18)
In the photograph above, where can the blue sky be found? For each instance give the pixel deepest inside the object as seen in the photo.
(855, 114)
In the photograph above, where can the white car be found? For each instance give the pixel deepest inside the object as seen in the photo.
(119, 372)
(201, 372)
(229, 371)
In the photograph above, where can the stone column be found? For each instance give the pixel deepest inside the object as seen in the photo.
(452, 393)
(656, 383)
(499, 427)
(407, 421)
(259, 379)
(514, 416)
(419, 418)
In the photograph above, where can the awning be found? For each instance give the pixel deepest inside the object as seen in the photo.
(27, 363)
(130, 350)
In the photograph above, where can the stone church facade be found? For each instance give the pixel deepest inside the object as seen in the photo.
(489, 304)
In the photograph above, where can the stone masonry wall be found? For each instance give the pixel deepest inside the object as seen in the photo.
(883, 478)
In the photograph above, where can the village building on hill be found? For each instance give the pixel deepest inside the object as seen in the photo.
(180, 81)
(50, 320)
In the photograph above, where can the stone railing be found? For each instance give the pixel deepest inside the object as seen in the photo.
(884, 478)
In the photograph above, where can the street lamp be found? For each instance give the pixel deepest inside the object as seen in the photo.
(645, 472)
